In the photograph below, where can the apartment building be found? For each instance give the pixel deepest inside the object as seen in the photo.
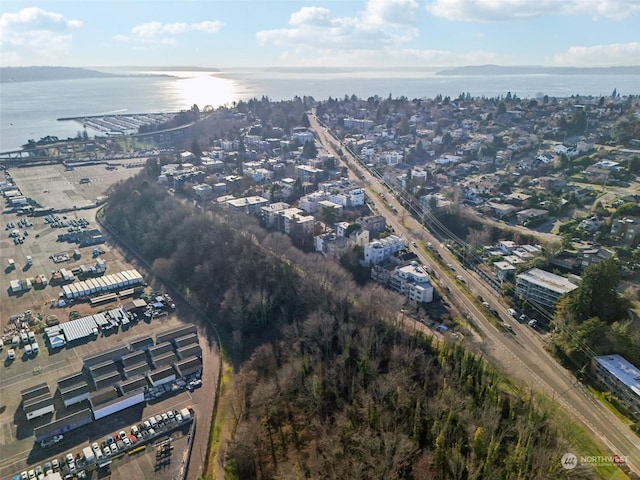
(621, 378)
(542, 287)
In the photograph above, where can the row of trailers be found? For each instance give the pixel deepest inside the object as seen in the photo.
(101, 285)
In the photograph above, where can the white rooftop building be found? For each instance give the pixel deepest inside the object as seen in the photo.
(621, 377)
(542, 287)
(380, 250)
(412, 281)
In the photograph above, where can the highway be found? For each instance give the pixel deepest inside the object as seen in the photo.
(521, 352)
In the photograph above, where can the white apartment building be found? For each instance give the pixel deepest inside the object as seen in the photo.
(542, 287)
(412, 281)
(621, 377)
(380, 250)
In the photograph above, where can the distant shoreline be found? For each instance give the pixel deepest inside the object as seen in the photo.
(47, 74)
(533, 70)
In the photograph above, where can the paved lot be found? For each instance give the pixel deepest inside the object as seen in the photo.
(18, 450)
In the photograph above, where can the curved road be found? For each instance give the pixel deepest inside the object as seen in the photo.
(520, 353)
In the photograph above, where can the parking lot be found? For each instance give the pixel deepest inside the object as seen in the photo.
(34, 257)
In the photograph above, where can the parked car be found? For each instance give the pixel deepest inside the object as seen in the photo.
(28, 349)
(11, 354)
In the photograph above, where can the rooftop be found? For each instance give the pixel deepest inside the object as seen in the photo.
(622, 369)
(548, 280)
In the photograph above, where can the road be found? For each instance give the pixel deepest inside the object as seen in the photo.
(520, 353)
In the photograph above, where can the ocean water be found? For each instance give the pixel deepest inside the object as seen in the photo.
(31, 110)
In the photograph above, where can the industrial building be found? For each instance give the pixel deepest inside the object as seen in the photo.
(37, 401)
(63, 425)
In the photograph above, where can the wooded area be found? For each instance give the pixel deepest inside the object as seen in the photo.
(327, 385)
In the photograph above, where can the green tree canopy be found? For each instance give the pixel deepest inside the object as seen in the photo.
(597, 294)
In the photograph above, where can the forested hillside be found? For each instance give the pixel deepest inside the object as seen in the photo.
(327, 385)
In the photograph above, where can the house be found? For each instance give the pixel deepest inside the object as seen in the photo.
(504, 270)
(621, 378)
(576, 262)
(375, 224)
(542, 287)
(627, 229)
(203, 190)
(501, 210)
(531, 215)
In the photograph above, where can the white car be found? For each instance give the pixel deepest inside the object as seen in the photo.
(512, 312)
(11, 354)
(28, 349)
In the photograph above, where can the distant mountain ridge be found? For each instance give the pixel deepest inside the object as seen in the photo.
(533, 70)
(36, 74)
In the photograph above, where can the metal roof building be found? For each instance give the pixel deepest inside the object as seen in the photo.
(161, 376)
(175, 333)
(78, 329)
(115, 353)
(141, 343)
(160, 349)
(168, 358)
(107, 380)
(189, 366)
(192, 350)
(35, 391)
(76, 393)
(138, 369)
(70, 380)
(134, 384)
(134, 358)
(100, 369)
(186, 340)
(63, 425)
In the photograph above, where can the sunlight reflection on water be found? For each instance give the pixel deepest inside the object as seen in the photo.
(200, 88)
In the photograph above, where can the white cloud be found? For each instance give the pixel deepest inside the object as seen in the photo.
(34, 35)
(499, 10)
(156, 32)
(600, 55)
(383, 23)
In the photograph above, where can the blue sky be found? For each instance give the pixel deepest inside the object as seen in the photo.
(346, 33)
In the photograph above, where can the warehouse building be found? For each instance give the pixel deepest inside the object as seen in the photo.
(161, 375)
(107, 404)
(175, 333)
(185, 340)
(143, 343)
(115, 353)
(189, 366)
(192, 350)
(138, 369)
(134, 358)
(37, 401)
(63, 425)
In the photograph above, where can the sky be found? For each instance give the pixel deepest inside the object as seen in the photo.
(319, 33)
